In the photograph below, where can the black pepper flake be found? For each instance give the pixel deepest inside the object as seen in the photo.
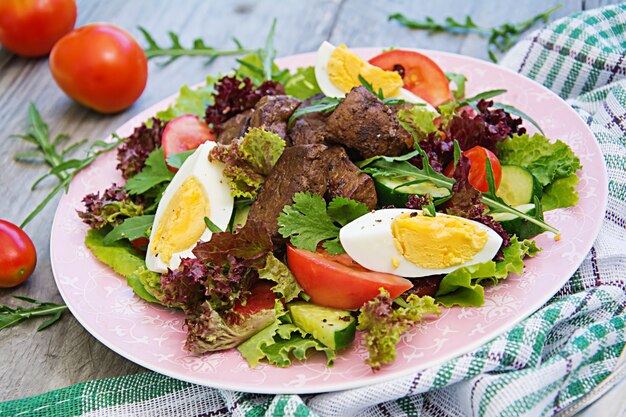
(345, 318)
(324, 320)
(413, 214)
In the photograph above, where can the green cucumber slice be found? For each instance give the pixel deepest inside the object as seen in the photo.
(334, 328)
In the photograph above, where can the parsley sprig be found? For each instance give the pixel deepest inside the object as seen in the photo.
(49, 152)
(177, 50)
(500, 38)
(11, 316)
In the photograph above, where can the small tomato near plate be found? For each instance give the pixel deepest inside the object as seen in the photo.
(337, 281)
(101, 66)
(478, 169)
(184, 133)
(18, 256)
(30, 28)
(420, 74)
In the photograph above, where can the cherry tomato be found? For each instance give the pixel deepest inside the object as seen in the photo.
(184, 133)
(478, 169)
(420, 74)
(141, 244)
(339, 282)
(32, 27)
(101, 66)
(261, 297)
(17, 255)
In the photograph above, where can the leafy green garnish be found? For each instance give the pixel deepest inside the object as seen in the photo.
(12, 316)
(281, 340)
(190, 101)
(418, 121)
(384, 325)
(307, 221)
(154, 173)
(500, 38)
(48, 151)
(286, 285)
(560, 193)
(212, 226)
(146, 285)
(323, 105)
(176, 160)
(517, 112)
(459, 80)
(177, 50)
(302, 84)
(386, 100)
(485, 95)
(249, 160)
(132, 228)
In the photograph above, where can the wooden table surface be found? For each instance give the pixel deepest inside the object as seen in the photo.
(35, 362)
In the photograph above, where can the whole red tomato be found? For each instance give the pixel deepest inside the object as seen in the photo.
(32, 27)
(101, 66)
(17, 255)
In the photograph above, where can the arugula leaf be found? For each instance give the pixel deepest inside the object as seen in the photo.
(323, 105)
(177, 160)
(384, 325)
(132, 228)
(307, 222)
(212, 226)
(546, 160)
(190, 101)
(12, 316)
(485, 95)
(302, 84)
(560, 193)
(459, 80)
(154, 173)
(286, 285)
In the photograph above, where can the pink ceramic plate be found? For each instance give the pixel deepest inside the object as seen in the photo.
(153, 336)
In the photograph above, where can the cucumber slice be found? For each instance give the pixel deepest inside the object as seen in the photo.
(515, 225)
(389, 193)
(518, 186)
(334, 328)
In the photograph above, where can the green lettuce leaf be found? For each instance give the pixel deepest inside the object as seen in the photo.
(418, 121)
(190, 101)
(153, 174)
(286, 285)
(307, 221)
(547, 161)
(146, 285)
(561, 193)
(279, 341)
(302, 84)
(384, 325)
(249, 160)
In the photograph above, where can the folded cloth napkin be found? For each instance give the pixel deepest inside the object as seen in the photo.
(540, 367)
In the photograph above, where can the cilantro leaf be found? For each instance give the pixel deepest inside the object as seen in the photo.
(154, 173)
(307, 222)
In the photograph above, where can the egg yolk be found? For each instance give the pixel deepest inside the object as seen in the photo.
(182, 222)
(436, 242)
(344, 68)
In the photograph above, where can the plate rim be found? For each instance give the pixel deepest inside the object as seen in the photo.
(330, 386)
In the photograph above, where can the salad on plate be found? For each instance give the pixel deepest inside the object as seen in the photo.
(284, 212)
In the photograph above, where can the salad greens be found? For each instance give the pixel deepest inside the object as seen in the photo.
(154, 174)
(384, 324)
(286, 285)
(418, 121)
(132, 228)
(12, 316)
(308, 221)
(190, 101)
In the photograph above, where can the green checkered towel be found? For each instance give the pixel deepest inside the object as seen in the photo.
(540, 367)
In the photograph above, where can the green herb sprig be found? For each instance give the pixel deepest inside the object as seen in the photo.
(47, 151)
(198, 48)
(10, 316)
(323, 105)
(500, 38)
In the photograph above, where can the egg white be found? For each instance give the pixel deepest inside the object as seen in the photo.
(331, 90)
(216, 188)
(369, 241)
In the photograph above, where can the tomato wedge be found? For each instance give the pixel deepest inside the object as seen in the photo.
(420, 74)
(477, 176)
(184, 133)
(339, 282)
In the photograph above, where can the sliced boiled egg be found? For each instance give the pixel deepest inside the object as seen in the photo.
(405, 242)
(198, 190)
(337, 71)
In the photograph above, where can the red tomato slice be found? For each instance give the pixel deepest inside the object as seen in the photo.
(184, 133)
(420, 74)
(339, 282)
(261, 297)
(478, 169)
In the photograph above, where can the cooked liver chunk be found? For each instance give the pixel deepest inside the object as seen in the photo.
(234, 127)
(308, 128)
(364, 124)
(273, 113)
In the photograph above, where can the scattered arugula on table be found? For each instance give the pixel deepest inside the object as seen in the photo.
(49, 151)
(500, 38)
(11, 316)
(308, 221)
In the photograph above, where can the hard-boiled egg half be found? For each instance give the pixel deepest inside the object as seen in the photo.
(198, 190)
(337, 71)
(408, 243)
